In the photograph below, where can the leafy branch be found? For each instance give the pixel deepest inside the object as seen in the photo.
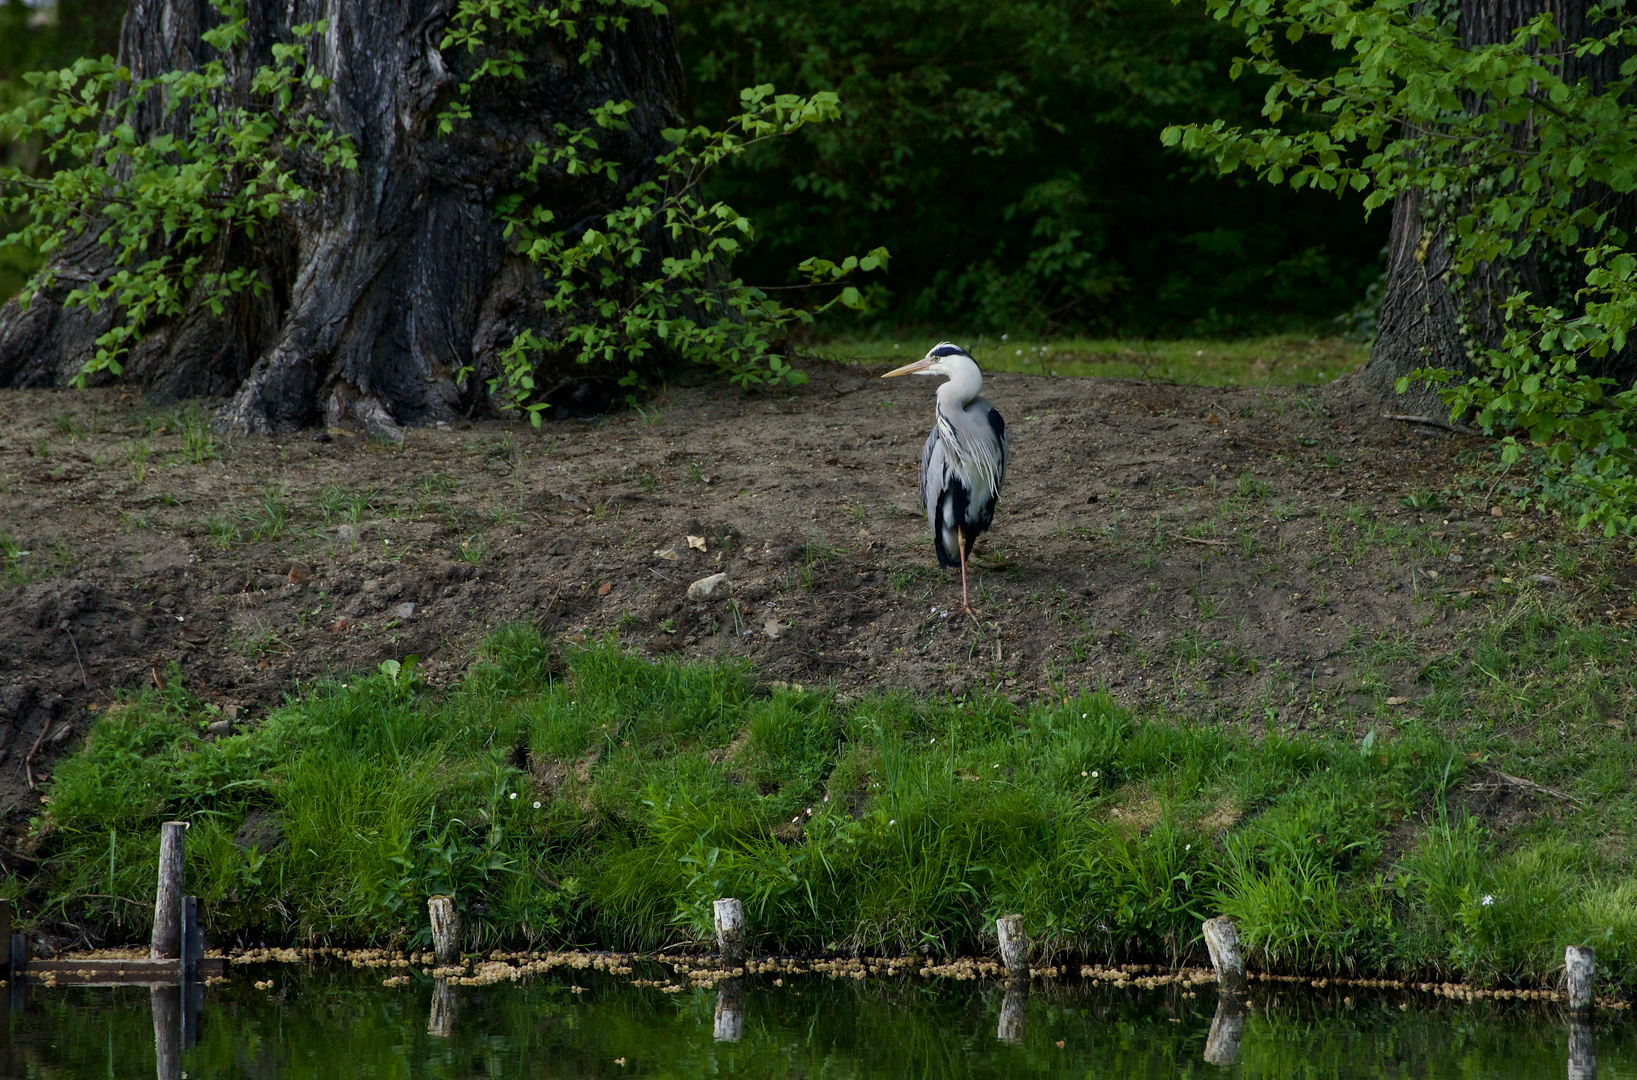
(167, 203)
(1513, 156)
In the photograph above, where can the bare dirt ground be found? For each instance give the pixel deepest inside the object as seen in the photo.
(1219, 551)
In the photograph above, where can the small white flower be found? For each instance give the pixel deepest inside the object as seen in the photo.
(1488, 900)
(1083, 772)
(1094, 774)
(537, 804)
(997, 765)
(1187, 847)
(932, 740)
(892, 821)
(514, 794)
(1082, 716)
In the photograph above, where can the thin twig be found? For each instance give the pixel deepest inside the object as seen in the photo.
(69, 631)
(108, 896)
(1197, 540)
(1509, 780)
(1429, 421)
(1490, 494)
(28, 762)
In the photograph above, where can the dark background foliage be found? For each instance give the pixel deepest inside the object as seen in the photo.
(1006, 152)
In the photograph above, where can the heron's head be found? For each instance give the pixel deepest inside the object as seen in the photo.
(939, 360)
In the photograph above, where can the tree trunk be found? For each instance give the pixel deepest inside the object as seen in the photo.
(1422, 322)
(394, 277)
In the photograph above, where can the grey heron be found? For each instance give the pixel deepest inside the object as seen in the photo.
(964, 461)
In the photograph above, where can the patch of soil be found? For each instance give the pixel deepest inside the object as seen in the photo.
(1185, 545)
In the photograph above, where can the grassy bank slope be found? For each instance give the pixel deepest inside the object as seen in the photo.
(598, 798)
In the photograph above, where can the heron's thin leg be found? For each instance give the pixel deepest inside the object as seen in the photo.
(966, 604)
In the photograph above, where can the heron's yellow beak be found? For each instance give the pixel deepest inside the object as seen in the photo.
(910, 369)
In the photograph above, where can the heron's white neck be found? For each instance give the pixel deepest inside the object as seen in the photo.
(965, 382)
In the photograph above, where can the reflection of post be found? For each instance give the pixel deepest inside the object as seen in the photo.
(193, 1003)
(1222, 1044)
(1014, 1012)
(441, 1023)
(167, 1031)
(730, 1010)
(1582, 1050)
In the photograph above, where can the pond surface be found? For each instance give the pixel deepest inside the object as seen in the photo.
(341, 1023)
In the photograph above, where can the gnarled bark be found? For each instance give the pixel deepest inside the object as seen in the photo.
(392, 278)
(1424, 321)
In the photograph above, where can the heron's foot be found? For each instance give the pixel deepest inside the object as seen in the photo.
(970, 612)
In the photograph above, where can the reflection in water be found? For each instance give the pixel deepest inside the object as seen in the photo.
(333, 1023)
(1222, 1044)
(1014, 1010)
(1582, 1050)
(440, 1023)
(167, 1031)
(730, 1010)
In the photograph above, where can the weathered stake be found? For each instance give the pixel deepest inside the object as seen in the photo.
(730, 929)
(167, 905)
(1014, 946)
(445, 930)
(1222, 939)
(5, 932)
(193, 937)
(1580, 970)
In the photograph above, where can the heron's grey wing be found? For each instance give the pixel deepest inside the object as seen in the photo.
(933, 471)
(999, 427)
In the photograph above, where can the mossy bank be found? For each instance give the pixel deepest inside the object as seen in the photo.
(596, 798)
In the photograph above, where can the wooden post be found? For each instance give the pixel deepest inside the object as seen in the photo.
(1580, 970)
(1222, 1044)
(1222, 939)
(445, 930)
(1014, 1013)
(1014, 946)
(730, 1010)
(167, 905)
(5, 931)
(730, 929)
(19, 954)
(1582, 1050)
(193, 938)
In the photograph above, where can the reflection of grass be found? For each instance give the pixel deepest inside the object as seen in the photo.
(1251, 362)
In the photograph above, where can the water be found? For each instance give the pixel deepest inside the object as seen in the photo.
(341, 1023)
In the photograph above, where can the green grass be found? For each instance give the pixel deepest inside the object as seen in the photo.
(599, 798)
(1280, 360)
